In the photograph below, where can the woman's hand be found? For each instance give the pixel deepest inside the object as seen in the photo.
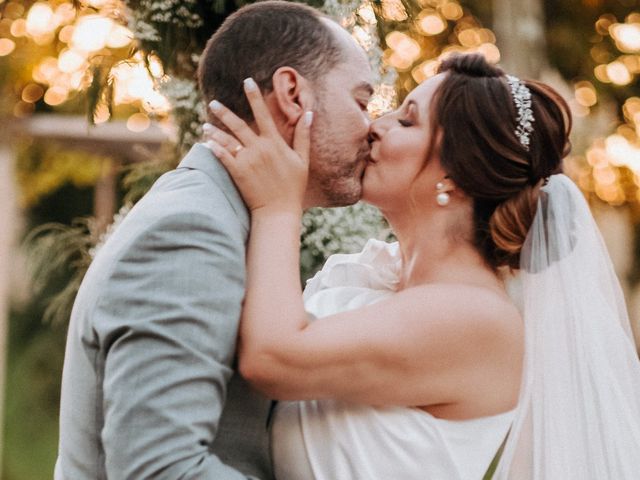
(270, 175)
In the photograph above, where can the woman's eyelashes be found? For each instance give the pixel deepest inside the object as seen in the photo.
(405, 123)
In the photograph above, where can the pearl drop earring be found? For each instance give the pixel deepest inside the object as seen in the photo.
(442, 198)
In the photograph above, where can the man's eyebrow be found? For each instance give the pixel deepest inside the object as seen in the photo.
(364, 86)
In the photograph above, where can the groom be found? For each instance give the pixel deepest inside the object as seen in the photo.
(149, 388)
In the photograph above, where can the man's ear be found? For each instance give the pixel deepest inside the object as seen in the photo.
(292, 94)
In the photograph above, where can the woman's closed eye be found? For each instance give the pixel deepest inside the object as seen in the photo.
(405, 123)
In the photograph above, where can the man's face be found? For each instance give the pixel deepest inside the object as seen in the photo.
(339, 136)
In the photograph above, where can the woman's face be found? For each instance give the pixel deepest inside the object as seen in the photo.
(400, 141)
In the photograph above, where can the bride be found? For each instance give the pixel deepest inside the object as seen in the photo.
(409, 360)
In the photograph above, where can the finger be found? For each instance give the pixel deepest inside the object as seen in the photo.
(223, 155)
(261, 113)
(302, 136)
(223, 138)
(238, 127)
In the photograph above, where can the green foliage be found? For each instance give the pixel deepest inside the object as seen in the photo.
(43, 168)
(54, 250)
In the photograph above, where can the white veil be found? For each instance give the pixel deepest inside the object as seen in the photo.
(578, 416)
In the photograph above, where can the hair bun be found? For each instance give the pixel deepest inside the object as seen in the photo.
(473, 65)
(510, 224)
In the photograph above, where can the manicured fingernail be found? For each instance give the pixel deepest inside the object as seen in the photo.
(215, 106)
(308, 118)
(250, 84)
(207, 128)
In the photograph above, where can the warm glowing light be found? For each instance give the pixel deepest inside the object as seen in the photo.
(605, 175)
(97, 3)
(66, 34)
(603, 24)
(394, 10)
(44, 40)
(46, 71)
(627, 36)
(65, 13)
(32, 93)
(76, 79)
(486, 35)
(367, 14)
(621, 152)
(70, 61)
(601, 74)
(119, 37)
(6, 46)
(155, 67)
(432, 24)
(102, 114)
(631, 109)
(404, 46)
(19, 28)
(398, 61)
(39, 19)
(632, 62)
(577, 109)
(618, 73)
(490, 52)
(610, 194)
(133, 83)
(55, 96)
(13, 10)
(138, 122)
(469, 37)
(91, 33)
(425, 70)
(586, 94)
(452, 11)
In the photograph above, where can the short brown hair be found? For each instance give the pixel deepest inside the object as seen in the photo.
(257, 40)
(474, 122)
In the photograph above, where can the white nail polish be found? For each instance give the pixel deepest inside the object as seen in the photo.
(250, 84)
(207, 128)
(215, 106)
(308, 118)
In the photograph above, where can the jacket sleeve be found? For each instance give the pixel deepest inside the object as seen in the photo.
(169, 320)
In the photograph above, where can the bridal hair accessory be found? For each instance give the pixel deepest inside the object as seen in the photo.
(522, 99)
(442, 198)
(578, 413)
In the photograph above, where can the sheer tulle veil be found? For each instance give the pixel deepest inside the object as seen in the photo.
(578, 415)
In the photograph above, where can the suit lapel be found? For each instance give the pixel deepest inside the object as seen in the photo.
(201, 158)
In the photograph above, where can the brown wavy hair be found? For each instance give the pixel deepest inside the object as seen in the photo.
(474, 123)
(258, 39)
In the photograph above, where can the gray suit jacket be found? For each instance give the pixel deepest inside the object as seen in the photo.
(149, 389)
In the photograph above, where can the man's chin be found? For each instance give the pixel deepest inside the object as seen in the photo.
(346, 196)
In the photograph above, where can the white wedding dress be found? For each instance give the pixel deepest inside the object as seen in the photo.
(333, 440)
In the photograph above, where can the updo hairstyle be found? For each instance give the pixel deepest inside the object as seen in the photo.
(474, 122)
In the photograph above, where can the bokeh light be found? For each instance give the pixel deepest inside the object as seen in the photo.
(81, 39)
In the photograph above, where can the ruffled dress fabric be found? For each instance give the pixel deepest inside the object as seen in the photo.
(335, 440)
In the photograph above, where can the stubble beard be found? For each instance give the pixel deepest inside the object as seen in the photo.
(337, 175)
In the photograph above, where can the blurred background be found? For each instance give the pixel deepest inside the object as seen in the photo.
(97, 99)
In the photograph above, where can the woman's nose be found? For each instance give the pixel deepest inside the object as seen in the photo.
(375, 131)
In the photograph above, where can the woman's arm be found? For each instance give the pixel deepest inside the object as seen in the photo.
(419, 347)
